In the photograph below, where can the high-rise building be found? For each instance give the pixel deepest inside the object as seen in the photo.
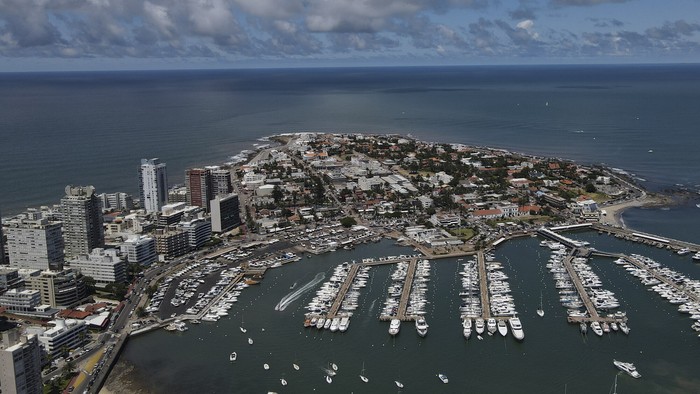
(153, 184)
(82, 220)
(35, 242)
(199, 190)
(2, 244)
(221, 182)
(102, 265)
(20, 363)
(225, 213)
(171, 242)
(140, 250)
(60, 289)
(198, 232)
(116, 201)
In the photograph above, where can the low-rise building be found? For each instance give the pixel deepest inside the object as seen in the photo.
(140, 250)
(66, 335)
(20, 301)
(59, 289)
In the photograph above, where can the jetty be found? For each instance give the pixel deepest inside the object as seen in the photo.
(483, 285)
(352, 272)
(405, 293)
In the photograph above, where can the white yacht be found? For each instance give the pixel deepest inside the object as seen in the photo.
(394, 326)
(398, 384)
(628, 368)
(334, 324)
(467, 328)
(683, 252)
(517, 328)
(266, 366)
(283, 381)
(479, 327)
(362, 374)
(421, 326)
(232, 356)
(329, 380)
(344, 323)
(502, 328)
(624, 328)
(696, 256)
(491, 326)
(595, 326)
(250, 341)
(443, 378)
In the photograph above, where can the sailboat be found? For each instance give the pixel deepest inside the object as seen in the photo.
(540, 312)
(362, 374)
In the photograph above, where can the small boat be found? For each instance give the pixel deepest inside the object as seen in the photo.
(443, 378)
(624, 328)
(335, 367)
(232, 356)
(583, 327)
(243, 330)
(502, 328)
(421, 326)
(540, 312)
(266, 366)
(329, 380)
(628, 368)
(284, 382)
(250, 341)
(595, 326)
(479, 337)
(296, 367)
(362, 374)
(398, 384)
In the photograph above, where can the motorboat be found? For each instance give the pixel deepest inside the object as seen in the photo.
(232, 356)
(467, 328)
(243, 330)
(296, 367)
(517, 328)
(540, 312)
(479, 326)
(283, 381)
(398, 384)
(583, 327)
(334, 366)
(344, 323)
(443, 378)
(334, 324)
(250, 341)
(624, 328)
(421, 326)
(502, 328)
(491, 326)
(628, 368)
(394, 326)
(266, 366)
(329, 380)
(595, 326)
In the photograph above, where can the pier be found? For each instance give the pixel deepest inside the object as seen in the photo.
(646, 238)
(483, 285)
(662, 278)
(352, 272)
(405, 294)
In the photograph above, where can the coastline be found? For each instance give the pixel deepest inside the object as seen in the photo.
(614, 212)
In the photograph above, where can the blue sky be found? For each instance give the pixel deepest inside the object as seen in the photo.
(173, 34)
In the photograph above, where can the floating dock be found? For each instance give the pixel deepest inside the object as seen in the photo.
(405, 293)
(352, 272)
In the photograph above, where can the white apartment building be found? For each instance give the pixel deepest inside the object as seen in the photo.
(140, 250)
(103, 265)
(153, 184)
(20, 363)
(34, 242)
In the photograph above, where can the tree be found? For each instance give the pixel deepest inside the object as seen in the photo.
(277, 194)
(590, 188)
(69, 368)
(348, 221)
(89, 282)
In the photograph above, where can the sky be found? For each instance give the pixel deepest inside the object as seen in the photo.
(63, 35)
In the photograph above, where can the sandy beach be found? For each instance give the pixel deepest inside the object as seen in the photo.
(614, 212)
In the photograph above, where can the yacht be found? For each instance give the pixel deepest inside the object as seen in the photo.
(624, 328)
(398, 384)
(696, 256)
(283, 381)
(362, 374)
(584, 327)
(491, 326)
(296, 367)
(266, 366)
(344, 323)
(479, 326)
(628, 368)
(595, 326)
(502, 328)
(467, 328)
(334, 324)
(517, 328)
(421, 326)
(329, 380)
(394, 326)
(443, 378)
(232, 356)
(250, 341)
(683, 252)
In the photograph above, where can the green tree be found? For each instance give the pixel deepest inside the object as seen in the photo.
(348, 221)
(277, 194)
(590, 188)
(69, 368)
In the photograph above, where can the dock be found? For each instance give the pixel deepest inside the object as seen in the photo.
(649, 239)
(352, 272)
(483, 285)
(662, 278)
(405, 294)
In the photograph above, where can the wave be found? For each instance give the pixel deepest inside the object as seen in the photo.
(295, 295)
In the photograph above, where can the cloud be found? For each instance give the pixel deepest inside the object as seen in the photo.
(584, 3)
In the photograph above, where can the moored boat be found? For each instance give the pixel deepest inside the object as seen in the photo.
(421, 326)
(398, 384)
(467, 327)
(443, 378)
(517, 328)
(394, 326)
(232, 356)
(491, 326)
(479, 326)
(502, 328)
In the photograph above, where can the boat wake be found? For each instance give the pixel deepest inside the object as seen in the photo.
(295, 295)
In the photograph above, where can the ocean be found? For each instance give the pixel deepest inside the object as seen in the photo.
(93, 128)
